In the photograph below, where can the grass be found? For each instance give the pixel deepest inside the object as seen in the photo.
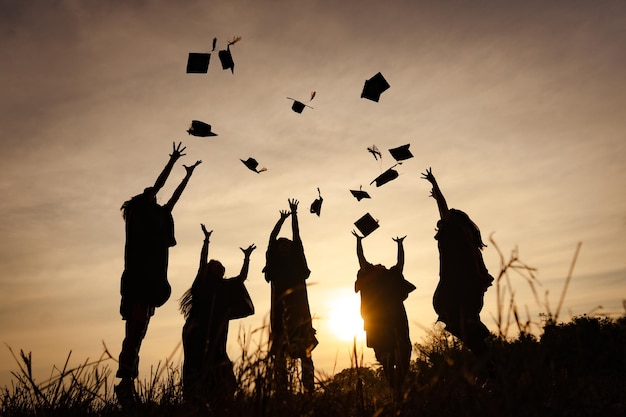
(545, 368)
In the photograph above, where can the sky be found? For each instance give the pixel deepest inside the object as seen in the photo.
(518, 107)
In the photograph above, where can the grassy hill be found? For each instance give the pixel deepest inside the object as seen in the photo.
(576, 368)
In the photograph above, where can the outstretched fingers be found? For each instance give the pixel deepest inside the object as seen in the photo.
(190, 168)
(428, 175)
(177, 151)
(247, 251)
(207, 233)
(293, 204)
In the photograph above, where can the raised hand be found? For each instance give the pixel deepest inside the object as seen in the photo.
(428, 175)
(247, 251)
(358, 236)
(398, 239)
(207, 234)
(177, 151)
(293, 205)
(190, 169)
(284, 214)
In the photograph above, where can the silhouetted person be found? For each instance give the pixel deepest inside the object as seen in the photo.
(463, 276)
(383, 292)
(208, 306)
(292, 333)
(144, 284)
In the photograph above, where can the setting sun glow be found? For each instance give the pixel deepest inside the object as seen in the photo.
(344, 317)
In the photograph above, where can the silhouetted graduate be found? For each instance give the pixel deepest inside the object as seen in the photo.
(144, 283)
(463, 276)
(383, 292)
(292, 333)
(208, 306)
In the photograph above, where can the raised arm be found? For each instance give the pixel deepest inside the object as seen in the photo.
(246, 262)
(177, 152)
(279, 224)
(179, 190)
(436, 193)
(204, 253)
(400, 263)
(359, 249)
(295, 229)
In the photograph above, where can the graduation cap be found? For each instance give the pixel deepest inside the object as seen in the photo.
(385, 177)
(201, 129)
(360, 194)
(251, 163)
(374, 87)
(198, 63)
(401, 152)
(297, 105)
(374, 151)
(226, 58)
(316, 206)
(366, 224)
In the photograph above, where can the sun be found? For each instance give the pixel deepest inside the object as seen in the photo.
(344, 317)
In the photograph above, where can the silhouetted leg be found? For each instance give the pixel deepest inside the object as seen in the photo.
(403, 361)
(384, 358)
(476, 334)
(194, 340)
(137, 319)
(280, 372)
(308, 374)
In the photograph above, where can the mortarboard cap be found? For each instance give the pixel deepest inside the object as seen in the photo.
(359, 194)
(366, 224)
(198, 63)
(316, 206)
(297, 105)
(401, 153)
(227, 60)
(374, 151)
(252, 163)
(385, 177)
(374, 87)
(201, 129)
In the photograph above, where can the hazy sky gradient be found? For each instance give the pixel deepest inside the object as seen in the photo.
(518, 107)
